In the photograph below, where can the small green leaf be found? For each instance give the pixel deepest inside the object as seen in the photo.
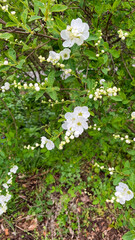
(24, 16)
(132, 220)
(51, 78)
(12, 54)
(33, 18)
(58, 8)
(6, 35)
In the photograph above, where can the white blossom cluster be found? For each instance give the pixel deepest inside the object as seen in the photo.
(133, 115)
(49, 144)
(55, 57)
(76, 33)
(125, 138)
(75, 124)
(5, 198)
(122, 35)
(5, 87)
(123, 193)
(99, 92)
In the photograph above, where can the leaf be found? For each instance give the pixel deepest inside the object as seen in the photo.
(24, 16)
(115, 53)
(20, 63)
(58, 8)
(12, 54)
(6, 35)
(60, 23)
(51, 78)
(92, 37)
(116, 98)
(117, 180)
(11, 24)
(129, 235)
(90, 54)
(116, 4)
(132, 152)
(132, 220)
(39, 94)
(34, 18)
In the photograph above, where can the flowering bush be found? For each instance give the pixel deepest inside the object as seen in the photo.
(87, 90)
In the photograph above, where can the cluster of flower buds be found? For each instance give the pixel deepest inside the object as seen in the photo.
(41, 59)
(5, 87)
(99, 92)
(5, 198)
(32, 147)
(110, 169)
(94, 127)
(110, 200)
(4, 8)
(35, 86)
(122, 35)
(125, 138)
(100, 37)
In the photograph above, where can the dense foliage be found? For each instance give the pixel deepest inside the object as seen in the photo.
(60, 59)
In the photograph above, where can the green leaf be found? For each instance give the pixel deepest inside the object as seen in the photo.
(117, 180)
(12, 54)
(11, 24)
(90, 54)
(24, 16)
(115, 53)
(58, 8)
(116, 98)
(132, 220)
(129, 235)
(132, 152)
(39, 94)
(20, 64)
(6, 35)
(51, 78)
(116, 4)
(61, 25)
(33, 18)
(92, 37)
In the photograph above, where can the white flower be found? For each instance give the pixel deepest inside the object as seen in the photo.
(65, 54)
(53, 57)
(5, 62)
(123, 193)
(76, 33)
(82, 112)
(49, 144)
(101, 81)
(7, 85)
(14, 169)
(13, 12)
(133, 115)
(91, 96)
